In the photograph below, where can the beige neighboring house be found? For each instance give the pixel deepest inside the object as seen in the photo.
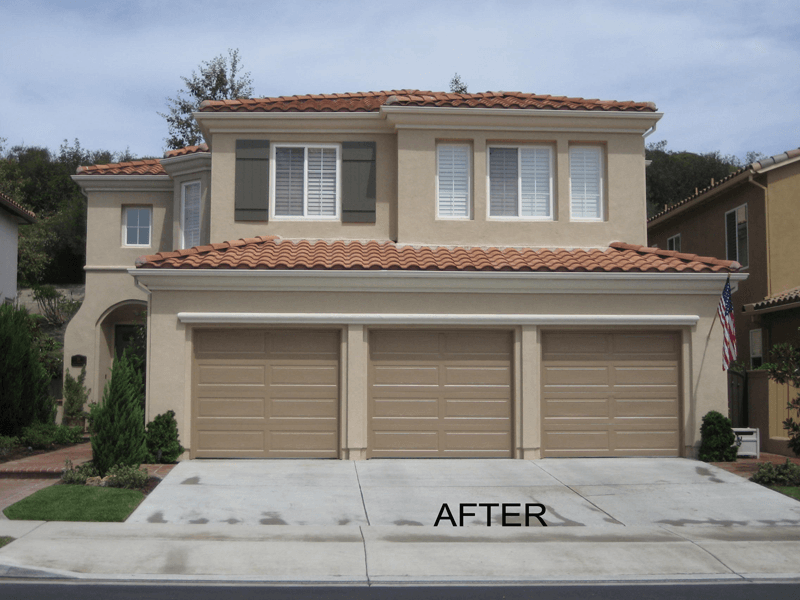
(405, 274)
(12, 215)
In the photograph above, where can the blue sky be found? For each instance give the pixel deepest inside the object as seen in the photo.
(726, 74)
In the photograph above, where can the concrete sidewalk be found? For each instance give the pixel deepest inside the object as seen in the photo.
(387, 555)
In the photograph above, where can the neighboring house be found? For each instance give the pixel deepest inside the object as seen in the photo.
(12, 215)
(404, 274)
(753, 217)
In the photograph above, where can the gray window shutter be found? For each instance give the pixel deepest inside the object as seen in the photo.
(358, 182)
(252, 180)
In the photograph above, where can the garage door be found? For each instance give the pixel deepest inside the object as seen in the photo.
(440, 394)
(265, 394)
(610, 394)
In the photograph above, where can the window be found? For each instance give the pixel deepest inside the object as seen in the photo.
(586, 183)
(452, 181)
(190, 214)
(136, 225)
(521, 182)
(674, 243)
(736, 235)
(756, 348)
(306, 181)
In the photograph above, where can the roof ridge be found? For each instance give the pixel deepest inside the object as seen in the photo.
(14, 206)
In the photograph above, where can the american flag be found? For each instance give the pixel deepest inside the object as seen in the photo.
(725, 311)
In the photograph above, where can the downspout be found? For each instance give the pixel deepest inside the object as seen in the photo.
(766, 218)
(650, 131)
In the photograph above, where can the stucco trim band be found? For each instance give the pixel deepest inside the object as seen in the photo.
(432, 319)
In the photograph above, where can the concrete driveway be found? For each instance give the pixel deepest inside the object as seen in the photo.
(575, 492)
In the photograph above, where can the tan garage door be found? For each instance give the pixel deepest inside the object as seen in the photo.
(440, 394)
(265, 394)
(610, 394)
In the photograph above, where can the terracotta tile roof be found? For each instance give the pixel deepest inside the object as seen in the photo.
(16, 208)
(186, 150)
(785, 297)
(372, 102)
(271, 252)
(150, 166)
(753, 167)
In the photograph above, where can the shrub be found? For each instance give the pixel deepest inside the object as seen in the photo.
(784, 367)
(24, 398)
(64, 434)
(76, 395)
(41, 436)
(77, 475)
(118, 423)
(769, 474)
(7, 442)
(163, 445)
(717, 439)
(124, 476)
(55, 308)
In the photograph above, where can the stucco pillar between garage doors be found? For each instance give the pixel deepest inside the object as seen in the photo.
(354, 392)
(528, 416)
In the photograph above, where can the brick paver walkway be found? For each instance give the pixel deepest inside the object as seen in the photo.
(746, 467)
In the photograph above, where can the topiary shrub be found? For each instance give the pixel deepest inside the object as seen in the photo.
(717, 438)
(769, 474)
(163, 445)
(24, 397)
(118, 423)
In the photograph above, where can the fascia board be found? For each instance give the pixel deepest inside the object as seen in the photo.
(124, 183)
(291, 122)
(421, 281)
(190, 163)
(434, 319)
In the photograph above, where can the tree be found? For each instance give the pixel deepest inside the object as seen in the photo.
(219, 79)
(673, 176)
(784, 367)
(457, 86)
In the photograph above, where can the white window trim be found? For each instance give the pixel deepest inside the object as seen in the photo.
(468, 216)
(491, 217)
(602, 185)
(747, 232)
(677, 236)
(125, 208)
(183, 208)
(272, 181)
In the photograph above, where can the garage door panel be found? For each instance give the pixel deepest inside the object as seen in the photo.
(481, 345)
(406, 375)
(220, 341)
(397, 407)
(267, 404)
(477, 375)
(397, 343)
(231, 375)
(624, 402)
(231, 407)
(477, 441)
(399, 442)
(479, 409)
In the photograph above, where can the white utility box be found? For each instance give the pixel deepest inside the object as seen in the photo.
(747, 442)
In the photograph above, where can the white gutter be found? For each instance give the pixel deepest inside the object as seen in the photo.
(431, 319)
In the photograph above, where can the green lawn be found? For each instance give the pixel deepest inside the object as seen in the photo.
(791, 491)
(76, 503)
(5, 540)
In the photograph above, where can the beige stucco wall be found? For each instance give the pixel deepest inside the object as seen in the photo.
(169, 375)
(624, 192)
(223, 178)
(783, 223)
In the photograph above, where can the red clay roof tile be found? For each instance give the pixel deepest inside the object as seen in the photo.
(784, 297)
(271, 252)
(16, 208)
(150, 166)
(186, 150)
(372, 102)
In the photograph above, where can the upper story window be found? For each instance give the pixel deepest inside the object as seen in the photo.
(586, 183)
(521, 182)
(674, 243)
(190, 214)
(136, 225)
(452, 181)
(736, 235)
(306, 181)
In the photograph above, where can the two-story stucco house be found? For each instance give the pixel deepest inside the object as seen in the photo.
(405, 274)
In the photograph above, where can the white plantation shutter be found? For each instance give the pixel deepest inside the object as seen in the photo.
(322, 182)
(503, 182)
(453, 180)
(191, 214)
(289, 187)
(535, 182)
(586, 182)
